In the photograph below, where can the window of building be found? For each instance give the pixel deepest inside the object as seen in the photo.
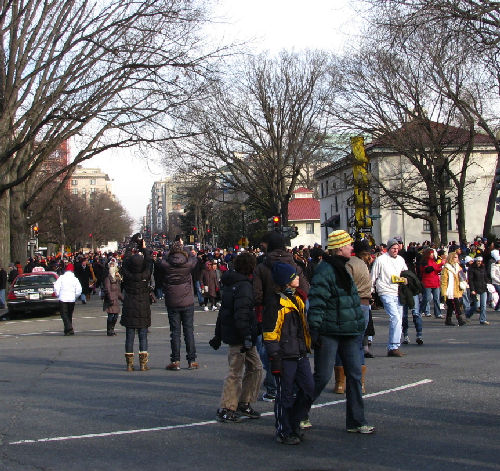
(74, 191)
(309, 227)
(74, 182)
(326, 188)
(336, 204)
(92, 181)
(322, 191)
(84, 190)
(93, 190)
(427, 226)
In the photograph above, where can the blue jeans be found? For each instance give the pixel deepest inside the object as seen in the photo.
(435, 294)
(269, 381)
(197, 287)
(417, 318)
(366, 313)
(130, 337)
(176, 317)
(482, 306)
(466, 300)
(2, 298)
(324, 360)
(83, 298)
(394, 309)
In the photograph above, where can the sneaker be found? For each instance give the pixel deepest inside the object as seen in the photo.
(214, 308)
(419, 341)
(193, 365)
(369, 355)
(174, 366)
(362, 429)
(288, 439)
(218, 305)
(268, 397)
(248, 411)
(228, 415)
(484, 323)
(439, 316)
(427, 315)
(406, 340)
(395, 353)
(305, 424)
(205, 308)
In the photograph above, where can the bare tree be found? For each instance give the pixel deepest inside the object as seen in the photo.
(264, 123)
(388, 94)
(110, 73)
(473, 27)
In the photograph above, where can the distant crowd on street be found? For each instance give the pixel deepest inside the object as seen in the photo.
(276, 306)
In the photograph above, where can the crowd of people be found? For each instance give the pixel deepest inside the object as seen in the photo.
(277, 306)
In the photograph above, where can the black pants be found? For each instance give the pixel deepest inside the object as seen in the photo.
(66, 310)
(294, 395)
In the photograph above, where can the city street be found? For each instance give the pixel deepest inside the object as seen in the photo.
(67, 403)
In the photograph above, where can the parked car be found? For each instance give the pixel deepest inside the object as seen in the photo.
(33, 292)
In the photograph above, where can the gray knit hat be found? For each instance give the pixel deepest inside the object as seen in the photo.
(391, 242)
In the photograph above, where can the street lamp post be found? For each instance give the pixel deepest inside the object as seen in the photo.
(243, 208)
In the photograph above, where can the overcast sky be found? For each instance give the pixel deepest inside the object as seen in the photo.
(270, 25)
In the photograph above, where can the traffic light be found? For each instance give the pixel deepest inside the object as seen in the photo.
(35, 230)
(195, 229)
(208, 231)
(274, 223)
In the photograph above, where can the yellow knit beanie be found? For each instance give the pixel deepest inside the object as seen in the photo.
(339, 239)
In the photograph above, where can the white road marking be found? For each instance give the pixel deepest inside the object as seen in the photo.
(201, 424)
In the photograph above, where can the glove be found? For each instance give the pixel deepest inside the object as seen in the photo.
(315, 338)
(275, 364)
(215, 342)
(428, 269)
(247, 344)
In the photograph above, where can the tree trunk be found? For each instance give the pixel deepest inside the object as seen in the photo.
(462, 236)
(433, 222)
(5, 257)
(443, 220)
(19, 224)
(490, 208)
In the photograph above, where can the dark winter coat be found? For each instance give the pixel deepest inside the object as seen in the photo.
(406, 292)
(136, 272)
(236, 319)
(12, 275)
(3, 279)
(285, 330)
(112, 294)
(263, 284)
(209, 279)
(334, 310)
(84, 276)
(477, 279)
(177, 279)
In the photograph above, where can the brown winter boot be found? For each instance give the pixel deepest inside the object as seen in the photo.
(363, 374)
(130, 361)
(143, 361)
(461, 320)
(339, 380)
(448, 321)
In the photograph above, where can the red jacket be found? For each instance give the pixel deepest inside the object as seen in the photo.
(430, 279)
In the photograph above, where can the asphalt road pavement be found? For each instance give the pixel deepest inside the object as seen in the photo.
(67, 403)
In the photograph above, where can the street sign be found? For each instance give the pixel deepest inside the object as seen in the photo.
(374, 216)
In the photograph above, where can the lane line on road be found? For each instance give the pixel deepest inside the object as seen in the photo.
(201, 424)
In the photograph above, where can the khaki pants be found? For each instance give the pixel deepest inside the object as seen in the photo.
(242, 383)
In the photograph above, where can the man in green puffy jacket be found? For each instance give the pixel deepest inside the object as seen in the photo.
(335, 323)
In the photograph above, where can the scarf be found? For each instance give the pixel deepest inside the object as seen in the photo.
(338, 262)
(453, 271)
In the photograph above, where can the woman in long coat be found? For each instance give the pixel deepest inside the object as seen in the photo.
(112, 296)
(136, 312)
(210, 284)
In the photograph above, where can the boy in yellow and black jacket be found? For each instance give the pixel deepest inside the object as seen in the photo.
(287, 341)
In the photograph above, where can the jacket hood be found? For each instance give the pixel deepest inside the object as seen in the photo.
(135, 263)
(177, 259)
(231, 277)
(281, 256)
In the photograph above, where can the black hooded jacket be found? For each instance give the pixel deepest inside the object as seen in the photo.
(236, 319)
